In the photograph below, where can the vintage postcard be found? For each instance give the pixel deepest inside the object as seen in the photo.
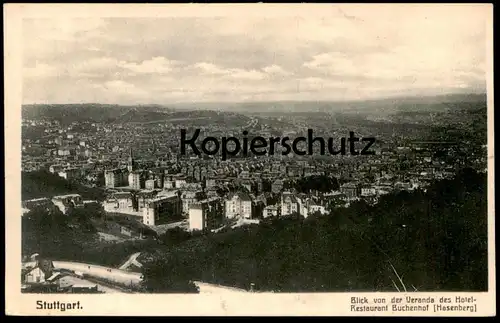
(249, 160)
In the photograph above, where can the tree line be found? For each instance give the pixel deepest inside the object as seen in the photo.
(425, 241)
(434, 240)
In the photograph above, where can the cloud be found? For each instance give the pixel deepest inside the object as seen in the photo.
(62, 29)
(247, 75)
(229, 73)
(443, 66)
(355, 52)
(275, 70)
(123, 87)
(157, 65)
(99, 64)
(210, 69)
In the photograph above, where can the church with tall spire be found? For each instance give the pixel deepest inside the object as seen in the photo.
(131, 163)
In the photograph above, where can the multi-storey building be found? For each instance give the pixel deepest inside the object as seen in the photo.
(162, 209)
(115, 178)
(206, 214)
(312, 207)
(67, 202)
(143, 198)
(179, 182)
(351, 190)
(136, 180)
(168, 184)
(120, 202)
(368, 190)
(290, 204)
(239, 205)
(271, 211)
(150, 184)
(188, 198)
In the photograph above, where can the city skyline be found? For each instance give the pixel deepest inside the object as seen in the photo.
(344, 55)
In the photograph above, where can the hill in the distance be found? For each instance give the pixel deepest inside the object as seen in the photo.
(388, 105)
(102, 113)
(93, 112)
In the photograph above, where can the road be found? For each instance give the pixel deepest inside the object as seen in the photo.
(75, 281)
(132, 260)
(113, 279)
(207, 288)
(112, 275)
(252, 123)
(109, 237)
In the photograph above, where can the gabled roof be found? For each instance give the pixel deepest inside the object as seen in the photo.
(46, 266)
(349, 185)
(121, 195)
(292, 198)
(241, 195)
(67, 196)
(196, 206)
(55, 276)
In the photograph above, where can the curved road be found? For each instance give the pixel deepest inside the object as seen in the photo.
(132, 260)
(118, 276)
(124, 278)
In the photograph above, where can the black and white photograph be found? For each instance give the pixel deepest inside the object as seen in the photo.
(341, 150)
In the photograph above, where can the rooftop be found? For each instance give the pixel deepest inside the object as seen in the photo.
(122, 194)
(41, 199)
(161, 198)
(241, 195)
(60, 197)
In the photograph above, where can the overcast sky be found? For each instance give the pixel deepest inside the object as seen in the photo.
(343, 55)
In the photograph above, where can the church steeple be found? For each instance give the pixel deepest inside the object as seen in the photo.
(131, 163)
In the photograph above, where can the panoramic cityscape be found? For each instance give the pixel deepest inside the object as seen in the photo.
(195, 155)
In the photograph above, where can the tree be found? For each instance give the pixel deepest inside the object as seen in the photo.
(82, 218)
(168, 276)
(321, 183)
(266, 185)
(174, 236)
(434, 241)
(45, 184)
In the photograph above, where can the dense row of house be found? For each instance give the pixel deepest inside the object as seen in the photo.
(205, 209)
(155, 196)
